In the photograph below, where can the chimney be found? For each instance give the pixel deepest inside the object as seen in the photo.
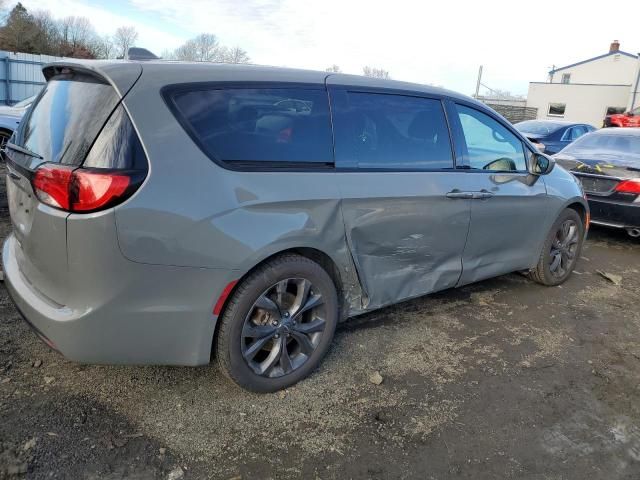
(614, 47)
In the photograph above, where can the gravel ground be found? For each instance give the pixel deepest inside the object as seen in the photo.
(501, 379)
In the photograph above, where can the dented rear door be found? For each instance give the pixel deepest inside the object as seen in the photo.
(395, 168)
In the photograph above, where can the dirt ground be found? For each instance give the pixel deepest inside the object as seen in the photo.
(502, 379)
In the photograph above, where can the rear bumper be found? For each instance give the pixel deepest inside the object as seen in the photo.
(614, 214)
(153, 315)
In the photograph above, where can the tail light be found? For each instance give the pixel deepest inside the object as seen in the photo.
(629, 186)
(81, 190)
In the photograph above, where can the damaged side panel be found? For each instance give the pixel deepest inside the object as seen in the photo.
(404, 246)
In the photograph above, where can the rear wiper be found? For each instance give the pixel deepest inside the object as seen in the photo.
(25, 151)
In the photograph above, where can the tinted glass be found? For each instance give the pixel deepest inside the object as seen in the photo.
(490, 146)
(259, 125)
(63, 122)
(537, 127)
(392, 132)
(615, 110)
(614, 146)
(117, 146)
(575, 132)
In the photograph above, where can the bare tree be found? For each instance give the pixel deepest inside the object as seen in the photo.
(46, 33)
(203, 48)
(334, 69)
(375, 72)
(236, 55)
(124, 38)
(105, 48)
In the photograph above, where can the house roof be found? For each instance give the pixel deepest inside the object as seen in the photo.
(619, 52)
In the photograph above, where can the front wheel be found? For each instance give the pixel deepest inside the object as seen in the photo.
(561, 250)
(278, 325)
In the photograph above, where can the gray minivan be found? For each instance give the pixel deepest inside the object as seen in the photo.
(167, 212)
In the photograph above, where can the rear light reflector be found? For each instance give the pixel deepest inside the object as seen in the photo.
(217, 309)
(629, 186)
(82, 190)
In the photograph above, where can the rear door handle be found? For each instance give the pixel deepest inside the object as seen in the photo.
(15, 176)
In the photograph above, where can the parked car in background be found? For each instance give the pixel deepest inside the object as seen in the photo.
(164, 210)
(626, 119)
(10, 118)
(550, 136)
(607, 162)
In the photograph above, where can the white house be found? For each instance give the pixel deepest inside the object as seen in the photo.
(587, 91)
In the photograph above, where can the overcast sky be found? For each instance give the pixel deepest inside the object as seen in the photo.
(440, 43)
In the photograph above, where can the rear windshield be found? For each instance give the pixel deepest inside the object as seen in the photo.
(64, 120)
(537, 128)
(627, 146)
(257, 125)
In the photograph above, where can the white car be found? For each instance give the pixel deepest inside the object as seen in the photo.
(10, 118)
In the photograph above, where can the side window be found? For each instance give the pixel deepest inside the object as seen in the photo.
(577, 132)
(490, 145)
(278, 125)
(389, 131)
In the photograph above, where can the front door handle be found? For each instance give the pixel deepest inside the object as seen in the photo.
(483, 194)
(458, 194)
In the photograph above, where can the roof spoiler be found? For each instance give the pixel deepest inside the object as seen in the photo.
(137, 53)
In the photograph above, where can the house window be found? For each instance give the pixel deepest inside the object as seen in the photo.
(566, 77)
(615, 110)
(556, 109)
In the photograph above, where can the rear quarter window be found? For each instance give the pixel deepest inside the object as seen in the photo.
(275, 126)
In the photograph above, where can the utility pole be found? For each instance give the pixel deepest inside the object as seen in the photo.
(479, 80)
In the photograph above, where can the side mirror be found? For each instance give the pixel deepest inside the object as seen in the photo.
(541, 164)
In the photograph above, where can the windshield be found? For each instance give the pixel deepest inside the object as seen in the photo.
(612, 147)
(25, 103)
(62, 124)
(538, 128)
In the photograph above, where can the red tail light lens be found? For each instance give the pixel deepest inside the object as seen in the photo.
(82, 190)
(629, 186)
(95, 191)
(51, 185)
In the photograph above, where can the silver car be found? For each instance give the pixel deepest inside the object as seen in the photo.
(167, 212)
(10, 117)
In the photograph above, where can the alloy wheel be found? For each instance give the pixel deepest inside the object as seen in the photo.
(564, 248)
(283, 328)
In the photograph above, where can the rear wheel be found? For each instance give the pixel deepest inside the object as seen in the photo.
(278, 325)
(561, 250)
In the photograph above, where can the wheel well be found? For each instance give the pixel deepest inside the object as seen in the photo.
(6, 130)
(318, 256)
(579, 208)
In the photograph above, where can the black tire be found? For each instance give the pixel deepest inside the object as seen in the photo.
(231, 346)
(543, 272)
(4, 138)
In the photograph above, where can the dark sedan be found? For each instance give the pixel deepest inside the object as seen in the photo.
(607, 162)
(551, 136)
